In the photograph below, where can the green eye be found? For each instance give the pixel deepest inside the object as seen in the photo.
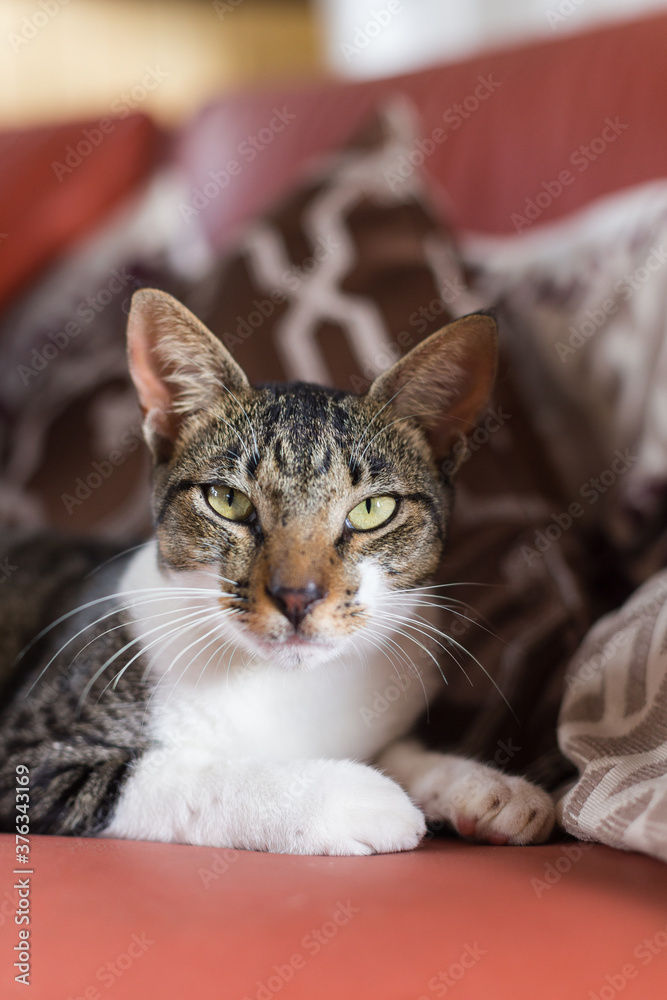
(229, 503)
(371, 513)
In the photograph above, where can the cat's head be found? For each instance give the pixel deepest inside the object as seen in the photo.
(308, 505)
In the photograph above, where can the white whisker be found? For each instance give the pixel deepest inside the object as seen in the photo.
(219, 649)
(240, 406)
(406, 635)
(166, 591)
(199, 652)
(384, 640)
(182, 629)
(409, 416)
(407, 623)
(118, 555)
(127, 646)
(108, 614)
(357, 443)
(453, 611)
(467, 652)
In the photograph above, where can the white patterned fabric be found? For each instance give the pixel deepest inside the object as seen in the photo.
(584, 302)
(613, 726)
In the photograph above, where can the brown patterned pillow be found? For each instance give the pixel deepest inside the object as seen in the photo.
(343, 276)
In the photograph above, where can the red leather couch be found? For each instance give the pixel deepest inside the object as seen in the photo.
(139, 920)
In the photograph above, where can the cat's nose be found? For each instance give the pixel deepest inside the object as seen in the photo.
(295, 602)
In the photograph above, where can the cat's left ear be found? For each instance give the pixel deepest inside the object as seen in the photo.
(445, 382)
(177, 365)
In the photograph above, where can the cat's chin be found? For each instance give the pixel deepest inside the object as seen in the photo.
(294, 653)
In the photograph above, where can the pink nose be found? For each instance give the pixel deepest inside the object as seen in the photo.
(295, 603)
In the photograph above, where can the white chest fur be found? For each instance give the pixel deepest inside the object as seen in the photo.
(339, 710)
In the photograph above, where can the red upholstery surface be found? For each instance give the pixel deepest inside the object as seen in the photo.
(51, 194)
(547, 100)
(215, 924)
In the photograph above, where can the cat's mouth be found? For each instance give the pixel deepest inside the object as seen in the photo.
(298, 640)
(294, 641)
(294, 650)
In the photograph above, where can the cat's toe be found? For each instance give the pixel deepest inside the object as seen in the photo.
(492, 808)
(371, 814)
(527, 818)
(472, 803)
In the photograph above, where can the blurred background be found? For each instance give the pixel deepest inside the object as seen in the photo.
(64, 59)
(148, 142)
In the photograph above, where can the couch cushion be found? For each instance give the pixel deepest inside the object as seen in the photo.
(343, 275)
(138, 920)
(582, 302)
(502, 125)
(58, 182)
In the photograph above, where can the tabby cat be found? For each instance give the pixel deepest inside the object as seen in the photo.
(209, 686)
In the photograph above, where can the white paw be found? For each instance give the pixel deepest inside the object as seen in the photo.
(364, 812)
(488, 806)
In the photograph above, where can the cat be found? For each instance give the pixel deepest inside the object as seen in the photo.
(208, 687)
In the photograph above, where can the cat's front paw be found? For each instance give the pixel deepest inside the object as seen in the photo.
(488, 806)
(365, 813)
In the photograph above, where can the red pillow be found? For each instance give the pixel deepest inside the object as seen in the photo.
(56, 183)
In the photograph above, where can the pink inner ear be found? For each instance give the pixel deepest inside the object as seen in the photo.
(153, 392)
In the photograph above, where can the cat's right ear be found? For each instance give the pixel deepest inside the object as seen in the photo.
(177, 365)
(444, 382)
